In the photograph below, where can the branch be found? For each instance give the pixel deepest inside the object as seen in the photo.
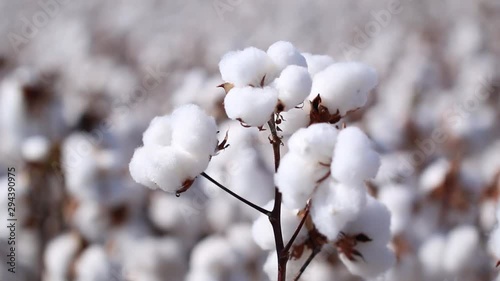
(260, 209)
(275, 217)
(315, 251)
(297, 230)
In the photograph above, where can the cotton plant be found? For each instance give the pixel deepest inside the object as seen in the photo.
(319, 185)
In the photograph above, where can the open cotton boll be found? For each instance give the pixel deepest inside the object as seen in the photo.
(294, 119)
(35, 149)
(159, 131)
(354, 159)
(284, 53)
(194, 131)
(461, 249)
(164, 167)
(377, 259)
(334, 205)
(374, 221)
(247, 67)
(431, 255)
(315, 142)
(262, 230)
(399, 200)
(293, 85)
(316, 63)
(344, 86)
(214, 255)
(296, 179)
(433, 175)
(60, 253)
(250, 105)
(93, 265)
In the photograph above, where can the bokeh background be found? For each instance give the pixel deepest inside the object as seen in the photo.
(81, 80)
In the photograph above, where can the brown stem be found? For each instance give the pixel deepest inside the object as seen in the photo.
(262, 210)
(275, 217)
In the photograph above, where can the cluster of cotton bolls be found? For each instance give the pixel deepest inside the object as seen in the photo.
(80, 93)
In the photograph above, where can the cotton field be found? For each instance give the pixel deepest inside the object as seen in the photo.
(232, 140)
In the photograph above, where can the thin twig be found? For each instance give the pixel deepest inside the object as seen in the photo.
(297, 230)
(315, 251)
(260, 209)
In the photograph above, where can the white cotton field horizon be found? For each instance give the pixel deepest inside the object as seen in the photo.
(122, 122)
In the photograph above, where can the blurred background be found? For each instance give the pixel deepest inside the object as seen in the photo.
(81, 80)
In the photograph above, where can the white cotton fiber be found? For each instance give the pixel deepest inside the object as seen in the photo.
(35, 149)
(315, 142)
(316, 63)
(283, 54)
(59, 254)
(434, 175)
(293, 85)
(374, 221)
(296, 179)
(213, 254)
(194, 131)
(431, 254)
(294, 119)
(461, 249)
(344, 86)
(334, 205)
(159, 131)
(93, 265)
(247, 67)
(377, 259)
(354, 160)
(253, 106)
(399, 200)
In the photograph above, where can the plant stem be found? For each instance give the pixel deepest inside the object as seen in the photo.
(275, 216)
(260, 209)
(315, 251)
(297, 230)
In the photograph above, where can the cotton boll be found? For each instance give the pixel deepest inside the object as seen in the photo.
(376, 260)
(248, 176)
(374, 221)
(294, 119)
(293, 85)
(93, 265)
(283, 53)
(344, 86)
(262, 230)
(184, 218)
(433, 175)
(316, 63)
(250, 105)
(354, 160)
(92, 221)
(431, 255)
(60, 253)
(334, 205)
(164, 167)
(461, 249)
(214, 255)
(241, 239)
(399, 200)
(156, 258)
(247, 67)
(296, 179)
(159, 131)
(194, 131)
(315, 142)
(35, 149)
